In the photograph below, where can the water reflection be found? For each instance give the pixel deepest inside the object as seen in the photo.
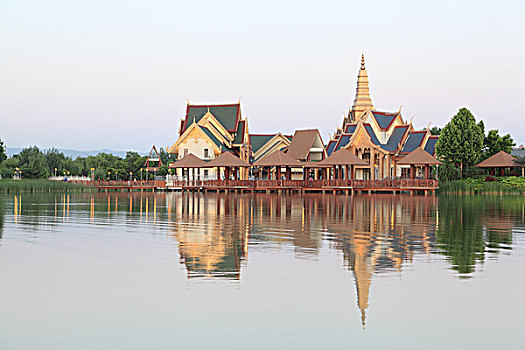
(374, 234)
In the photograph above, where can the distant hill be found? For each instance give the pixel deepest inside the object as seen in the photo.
(74, 153)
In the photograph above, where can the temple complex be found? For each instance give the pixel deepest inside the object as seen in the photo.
(372, 151)
(381, 139)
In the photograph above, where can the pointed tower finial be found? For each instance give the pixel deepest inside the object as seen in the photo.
(362, 100)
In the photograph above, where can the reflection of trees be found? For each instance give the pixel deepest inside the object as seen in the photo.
(2, 215)
(471, 226)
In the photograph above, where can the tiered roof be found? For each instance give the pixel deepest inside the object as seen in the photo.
(227, 114)
(386, 131)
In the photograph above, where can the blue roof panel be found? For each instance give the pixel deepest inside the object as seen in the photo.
(330, 147)
(413, 141)
(384, 119)
(430, 147)
(372, 134)
(395, 138)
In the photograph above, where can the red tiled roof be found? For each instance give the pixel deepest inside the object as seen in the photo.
(418, 157)
(499, 160)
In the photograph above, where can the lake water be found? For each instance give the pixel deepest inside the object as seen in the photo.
(184, 270)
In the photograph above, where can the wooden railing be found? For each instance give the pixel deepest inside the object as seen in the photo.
(127, 184)
(357, 184)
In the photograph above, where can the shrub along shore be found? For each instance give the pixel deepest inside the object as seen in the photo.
(39, 185)
(484, 185)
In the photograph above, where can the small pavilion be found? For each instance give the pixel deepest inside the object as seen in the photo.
(343, 163)
(419, 158)
(278, 160)
(500, 160)
(230, 163)
(318, 167)
(189, 162)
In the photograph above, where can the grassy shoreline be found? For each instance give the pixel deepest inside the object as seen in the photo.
(503, 185)
(39, 185)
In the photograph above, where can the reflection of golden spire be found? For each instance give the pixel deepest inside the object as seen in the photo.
(363, 277)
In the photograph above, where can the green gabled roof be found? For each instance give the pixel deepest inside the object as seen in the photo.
(227, 115)
(212, 137)
(258, 141)
(240, 132)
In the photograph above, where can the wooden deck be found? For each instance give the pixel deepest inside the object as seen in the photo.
(348, 186)
(325, 186)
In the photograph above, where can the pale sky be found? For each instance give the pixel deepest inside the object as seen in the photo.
(94, 74)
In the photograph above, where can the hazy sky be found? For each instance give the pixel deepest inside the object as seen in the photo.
(116, 74)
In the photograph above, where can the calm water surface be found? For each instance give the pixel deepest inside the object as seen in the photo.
(167, 271)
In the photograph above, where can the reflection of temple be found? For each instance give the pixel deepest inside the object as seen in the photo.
(375, 234)
(380, 233)
(215, 246)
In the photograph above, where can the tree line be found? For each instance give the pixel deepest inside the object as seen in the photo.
(35, 163)
(463, 143)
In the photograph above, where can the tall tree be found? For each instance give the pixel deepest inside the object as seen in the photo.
(494, 143)
(3, 154)
(33, 163)
(461, 140)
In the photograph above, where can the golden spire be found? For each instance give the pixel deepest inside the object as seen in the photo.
(362, 100)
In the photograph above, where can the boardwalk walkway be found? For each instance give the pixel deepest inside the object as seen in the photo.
(325, 186)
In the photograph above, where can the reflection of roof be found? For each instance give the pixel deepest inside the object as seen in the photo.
(414, 140)
(190, 161)
(430, 147)
(301, 143)
(227, 159)
(228, 115)
(395, 138)
(418, 157)
(343, 157)
(278, 158)
(500, 160)
(384, 119)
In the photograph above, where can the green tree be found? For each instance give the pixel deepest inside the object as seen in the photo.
(435, 131)
(7, 167)
(55, 160)
(461, 140)
(494, 143)
(3, 154)
(33, 163)
(520, 161)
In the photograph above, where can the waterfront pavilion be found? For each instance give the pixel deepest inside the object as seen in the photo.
(500, 160)
(343, 163)
(419, 158)
(318, 168)
(189, 162)
(278, 160)
(230, 163)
